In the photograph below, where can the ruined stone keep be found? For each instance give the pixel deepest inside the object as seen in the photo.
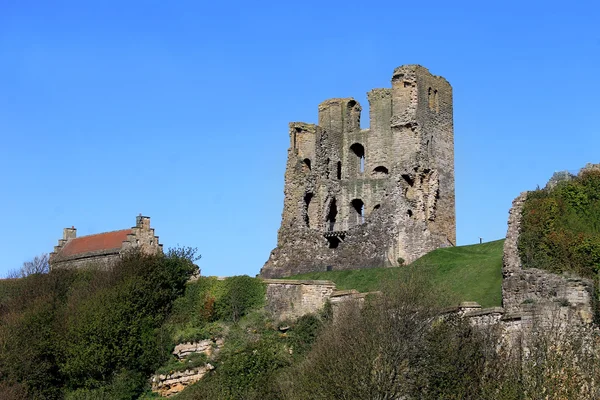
(360, 198)
(105, 248)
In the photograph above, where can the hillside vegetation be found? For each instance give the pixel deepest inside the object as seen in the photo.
(468, 273)
(560, 229)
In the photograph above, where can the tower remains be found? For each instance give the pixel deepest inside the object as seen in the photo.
(363, 198)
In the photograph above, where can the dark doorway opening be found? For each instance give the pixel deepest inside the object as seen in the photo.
(334, 242)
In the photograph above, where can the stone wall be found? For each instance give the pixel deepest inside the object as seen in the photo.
(360, 198)
(291, 299)
(551, 294)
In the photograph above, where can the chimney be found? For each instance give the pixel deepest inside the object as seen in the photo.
(69, 233)
(142, 222)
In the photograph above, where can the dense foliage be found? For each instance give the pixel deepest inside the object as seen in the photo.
(89, 333)
(560, 229)
(399, 347)
(209, 302)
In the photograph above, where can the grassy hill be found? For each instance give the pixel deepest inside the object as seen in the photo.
(472, 273)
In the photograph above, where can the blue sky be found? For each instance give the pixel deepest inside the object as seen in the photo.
(179, 110)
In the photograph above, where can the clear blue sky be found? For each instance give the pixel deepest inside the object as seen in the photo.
(179, 110)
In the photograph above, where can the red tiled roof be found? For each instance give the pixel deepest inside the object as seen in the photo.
(98, 242)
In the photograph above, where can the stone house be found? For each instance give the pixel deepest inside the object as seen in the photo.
(102, 249)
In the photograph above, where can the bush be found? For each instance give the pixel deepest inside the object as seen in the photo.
(560, 229)
(90, 332)
(241, 294)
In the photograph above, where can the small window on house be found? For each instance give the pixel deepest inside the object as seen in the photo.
(359, 150)
(339, 170)
(307, 163)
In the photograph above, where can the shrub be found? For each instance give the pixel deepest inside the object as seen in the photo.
(560, 229)
(90, 332)
(241, 294)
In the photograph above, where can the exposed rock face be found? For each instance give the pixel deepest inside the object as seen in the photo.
(170, 384)
(207, 347)
(536, 290)
(366, 198)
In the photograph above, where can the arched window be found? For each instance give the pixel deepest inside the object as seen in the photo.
(380, 171)
(307, 162)
(359, 150)
(359, 207)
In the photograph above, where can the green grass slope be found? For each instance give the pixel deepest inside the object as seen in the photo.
(471, 273)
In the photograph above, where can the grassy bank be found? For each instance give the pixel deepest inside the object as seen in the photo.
(472, 273)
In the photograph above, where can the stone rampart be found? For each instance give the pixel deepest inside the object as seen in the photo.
(290, 299)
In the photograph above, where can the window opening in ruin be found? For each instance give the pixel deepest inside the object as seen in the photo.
(380, 170)
(409, 213)
(430, 98)
(408, 179)
(307, 163)
(339, 170)
(327, 169)
(359, 207)
(307, 198)
(333, 242)
(377, 206)
(331, 215)
(330, 268)
(359, 150)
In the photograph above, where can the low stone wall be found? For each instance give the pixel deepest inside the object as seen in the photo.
(291, 299)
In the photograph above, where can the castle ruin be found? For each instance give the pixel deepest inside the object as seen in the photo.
(360, 198)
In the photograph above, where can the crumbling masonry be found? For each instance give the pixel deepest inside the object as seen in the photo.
(360, 198)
